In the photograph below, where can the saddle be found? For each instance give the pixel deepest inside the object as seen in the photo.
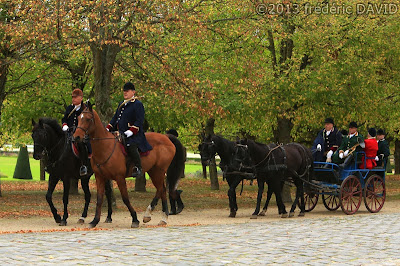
(122, 145)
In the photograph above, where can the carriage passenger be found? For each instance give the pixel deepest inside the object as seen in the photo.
(370, 149)
(383, 148)
(327, 142)
(128, 120)
(350, 144)
(70, 122)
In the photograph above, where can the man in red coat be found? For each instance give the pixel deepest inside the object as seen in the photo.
(371, 148)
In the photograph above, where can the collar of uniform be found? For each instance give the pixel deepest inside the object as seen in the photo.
(355, 135)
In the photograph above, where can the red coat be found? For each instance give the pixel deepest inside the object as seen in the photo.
(371, 148)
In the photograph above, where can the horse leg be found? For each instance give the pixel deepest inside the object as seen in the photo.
(232, 195)
(88, 195)
(67, 184)
(149, 210)
(179, 202)
(279, 200)
(269, 195)
(108, 189)
(172, 200)
(302, 201)
(125, 198)
(49, 197)
(100, 194)
(260, 182)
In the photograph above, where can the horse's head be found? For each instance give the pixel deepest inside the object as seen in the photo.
(86, 123)
(207, 150)
(40, 139)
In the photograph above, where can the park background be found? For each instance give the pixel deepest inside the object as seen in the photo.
(273, 75)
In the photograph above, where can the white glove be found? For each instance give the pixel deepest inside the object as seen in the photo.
(376, 158)
(128, 133)
(108, 130)
(329, 154)
(319, 147)
(341, 155)
(346, 153)
(65, 128)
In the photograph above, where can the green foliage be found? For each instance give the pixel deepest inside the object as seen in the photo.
(22, 168)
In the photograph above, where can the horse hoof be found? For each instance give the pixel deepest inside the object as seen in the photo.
(92, 225)
(81, 221)
(146, 219)
(63, 223)
(135, 225)
(162, 223)
(57, 219)
(253, 216)
(108, 220)
(173, 213)
(232, 214)
(284, 215)
(179, 210)
(291, 214)
(262, 213)
(302, 214)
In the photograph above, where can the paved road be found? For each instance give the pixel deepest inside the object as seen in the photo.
(346, 240)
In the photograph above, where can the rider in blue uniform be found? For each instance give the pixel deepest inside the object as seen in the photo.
(70, 122)
(128, 120)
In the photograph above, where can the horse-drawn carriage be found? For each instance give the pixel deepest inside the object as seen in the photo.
(346, 187)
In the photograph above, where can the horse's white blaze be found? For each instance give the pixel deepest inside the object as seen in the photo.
(81, 116)
(148, 211)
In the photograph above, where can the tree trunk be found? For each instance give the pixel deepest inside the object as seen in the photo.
(140, 183)
(73, 190)
(204, 171)
(397, 156)
(103, 64)
(209, 130)
(282, 135)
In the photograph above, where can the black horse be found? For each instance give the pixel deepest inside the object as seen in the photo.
(212, 145)
(275, 164)
(53, 147)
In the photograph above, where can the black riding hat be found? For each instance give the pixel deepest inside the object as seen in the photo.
(329, 120)
(372, 132)
(129, 86)
(353, 124)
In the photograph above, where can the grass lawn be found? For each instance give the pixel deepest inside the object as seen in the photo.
(7, 167)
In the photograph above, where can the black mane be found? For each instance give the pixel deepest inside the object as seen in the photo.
(53, 124)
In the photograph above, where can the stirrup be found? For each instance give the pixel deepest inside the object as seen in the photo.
(83, 170)
(136, 171)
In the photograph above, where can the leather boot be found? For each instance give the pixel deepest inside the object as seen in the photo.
(133, 153)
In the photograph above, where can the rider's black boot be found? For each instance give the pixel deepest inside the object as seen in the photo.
(133, 153)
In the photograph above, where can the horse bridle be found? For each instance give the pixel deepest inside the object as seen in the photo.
(46, 152)
(211, 144)
(83, 129)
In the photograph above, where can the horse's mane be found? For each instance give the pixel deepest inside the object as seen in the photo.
(53, 124)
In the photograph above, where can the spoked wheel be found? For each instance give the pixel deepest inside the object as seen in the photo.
(310, 200)
(374, 193)
(350, 194)
(331, 202)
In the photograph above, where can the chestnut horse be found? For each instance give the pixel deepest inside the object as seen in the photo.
(109, 162)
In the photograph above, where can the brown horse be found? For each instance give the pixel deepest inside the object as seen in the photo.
(108, 162)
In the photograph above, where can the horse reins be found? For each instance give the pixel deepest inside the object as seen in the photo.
(266, 157)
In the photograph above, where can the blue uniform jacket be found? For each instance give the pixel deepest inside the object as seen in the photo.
(71, 119)
(130, 116)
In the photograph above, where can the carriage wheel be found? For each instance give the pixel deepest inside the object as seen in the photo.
(331, 202)
(374, 193)
(350, 194)
(310, 200)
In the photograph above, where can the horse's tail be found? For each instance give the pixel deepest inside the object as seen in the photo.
(174, 173)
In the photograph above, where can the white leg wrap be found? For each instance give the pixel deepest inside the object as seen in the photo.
(148, 212)
(164, 217)
(82, 218)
